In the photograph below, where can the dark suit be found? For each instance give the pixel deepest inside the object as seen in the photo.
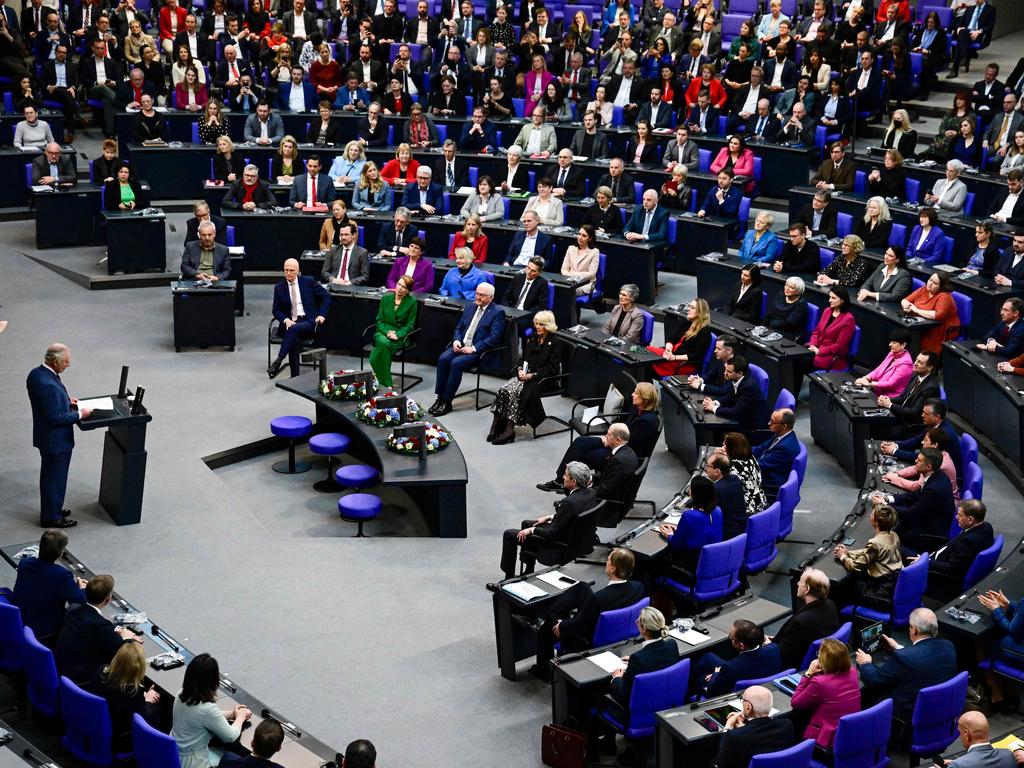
(1016, 217)
(388, 238)
(622, 188)
(986, 24)
(906, 671)
(53, 420)
(790, 72)
(284, 92)
(192, 229)
(315, 302)
(191, 255)
(610, 221)
(728, 208)
(657, 232)
(1010, 339)
(746, 307)
(541, 248)
(928, 511)
(907, 405)
(66, 171)
(489, 332)
(536, 296)
(745, 405)
(868, 99)
(811, 621)
(729, 494)
(358, 264)
(710, 121)
(615, 483)
(415, 197)
(776, 458)
(325, 192)
(803, 261)
(556, 530)
(69, 104)
(577, 631)
(639, 91)
(907, 450)
(87, 643)
(948, 567)
(41, 591)
(749, 665)
(461, 171)
(666, 115)
(223, 74)
(827, 224)
(573, 181)
(759, 736)
(769, 129)
(204, 46)
(261, 196)
(659, 654)
(842, 177)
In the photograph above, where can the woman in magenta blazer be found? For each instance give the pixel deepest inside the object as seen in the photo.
(828, 690)
(831, 339)
(738, 158)
(895, 370)
(412, 263)
(534, 92)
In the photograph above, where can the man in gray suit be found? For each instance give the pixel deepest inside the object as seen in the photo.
(52, 167)
(347, 263)
(312, 187)
(264, 127)
(681, 150)
(205, 259)
(973, 727)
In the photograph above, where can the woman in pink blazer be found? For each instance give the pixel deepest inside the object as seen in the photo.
(828, 690)
(534, 92)
(831, 339)
(738, 158)
(895, 370)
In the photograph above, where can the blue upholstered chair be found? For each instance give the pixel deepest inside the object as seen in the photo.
(984, 563)
(590, 300)
(861, 739)
(41, 674)
(88, 734)
(800, 463)
(647, 332)
(798, 756)
(968, 448)
(933, 725)
(910, 586)
(293, 429)
(974, 480)
(760, 551)
(718, 571)
(153, 749)
(618, 625)
(842, 635)
(12, 638)
(785, 400)
(761, 377)
(652, 692)
(789, 497)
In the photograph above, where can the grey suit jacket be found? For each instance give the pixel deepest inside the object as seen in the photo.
(984, 756)
(495, 207)
(275, 128)
(548, 140)
(953, 201)
(66, 172)
(190, 260)
(896, 287)
(358, 264)
(632, 325)
(691, 157)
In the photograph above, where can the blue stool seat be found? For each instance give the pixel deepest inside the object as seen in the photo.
(328, 444)
(293, 428)
(359, 507)
(357, 476)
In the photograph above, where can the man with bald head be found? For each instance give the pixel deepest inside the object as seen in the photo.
(649, 222)
(815, 617)
(54, 413)
(973, 727)
(753, 731)
(776, 454)
(52, 168)
(300, 305)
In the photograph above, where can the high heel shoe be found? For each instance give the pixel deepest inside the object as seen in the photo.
(508, 436)
(497, 425)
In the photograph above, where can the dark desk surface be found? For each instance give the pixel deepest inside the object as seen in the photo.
(682, 726)
(955, 618)
(194, 286)
(985, 186)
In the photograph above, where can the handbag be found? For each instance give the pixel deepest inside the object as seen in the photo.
(563, 747)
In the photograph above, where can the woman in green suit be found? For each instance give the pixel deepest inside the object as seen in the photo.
(395, 320)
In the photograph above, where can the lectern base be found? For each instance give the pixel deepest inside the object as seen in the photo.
(122, 479)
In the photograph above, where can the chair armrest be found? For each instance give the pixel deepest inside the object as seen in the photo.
(585, 402)
(367, 334)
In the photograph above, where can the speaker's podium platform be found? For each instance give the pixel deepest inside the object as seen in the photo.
(123, 474)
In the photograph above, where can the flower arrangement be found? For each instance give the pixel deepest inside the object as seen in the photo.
(336, 390)
(437, 437)
(369, 413)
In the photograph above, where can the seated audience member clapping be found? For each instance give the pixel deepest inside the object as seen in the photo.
(849, 268)
(745, 403)
(551, 528)
(745, 302)
(753, 731)
(396, 318)
(754, 658)
(699, 525)
(909, 478)
(1006, 642)
(413, 264)
(267, 740)
(877, 564)
(891, 179)
(890, 281)
(948, 566)
(581, 260)
(831, 339)
(472, 237)
(464, 278)
(829, 690)
(760, 244)
(927, 240)
(626, 320)
(787, 313)
(892, 374)
(814, 617)
(1006, 339)
(197, 720)
(934, 301)
(123, 193)
(799, 256)
(775, 455)
(122, 683)
(346, 263)
(875, 226)
(686, 356)
(518, 401)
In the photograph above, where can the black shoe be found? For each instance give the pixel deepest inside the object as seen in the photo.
(274, 368)
(551, 486)
(65, 522)
(444, 409)
(434, 406)
(952, 74)
(65, 512)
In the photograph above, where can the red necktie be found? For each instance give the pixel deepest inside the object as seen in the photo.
(234, 71)
(344, 266)
(312, 188)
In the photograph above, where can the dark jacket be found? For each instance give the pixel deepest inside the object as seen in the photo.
(747, 308)
(615, 481)
(262, 195)
(561, 525)
(86, 644)
(53, 418)
(906, 671)
(222, 167)
(788, 319)
(542, 360)
(1005, 266)
(41, 591)
(776, 458)
(827, 225)
(928, 511)
(746, 405)
(573, 183)
(907, 405)
(536, 296)
(811, 621)
(112, 195)
(192, 229)
(610, 221)
(626, 193)
(190, 260)
(1010, 339)
(576, 632)
(805, 261)
(906, 450)
(948, 567)
(656, 655)
(729, 494)
(316, 301)
(749, 665)
(759, 736)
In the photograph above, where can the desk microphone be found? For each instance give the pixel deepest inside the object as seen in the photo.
(166, 638)
(122, 389)
(137, 403)
(265, 713)
(29, 755)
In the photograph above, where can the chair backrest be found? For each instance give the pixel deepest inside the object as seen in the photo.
(710, 353)
(910, 585)
(968, 448)
(647, 333)
(913, 190)
(800, 462)
(827, 257)
(41, 671)
(968, 201)
(519, 106)
(744, 214)
(618, 116)
(974, 480)
(936, 711)
(760, 550)
(860, 182)
(653, 692)
(789, 497)
(794, 757)
(88, 734)
(844, 224)
(964, 310)
(813, 315)
(12, 638)
(984, 563)
(744, 684)
(703, 160)
(731, 25)
(618, 625)
(718, 569)
(785, 400)
(842, 635)
(760, 377)
(638, 192)
(898, 236)
(854, 343)
(153, 749)
(862, 738)
(764, 305)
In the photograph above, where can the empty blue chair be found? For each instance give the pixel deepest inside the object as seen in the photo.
(898, 236)
(968, 201)
(910, 586)
(854, 345)
(718, 571)
(710, 353)
(964, 309)
(744, 684)
(842, 635)
(760, 550)
(647, 332)
(862, 739)
(618, 625)
(358, 508)
(153, 749)
(984, 563)
(704, 160)
(800, 463)
(12, 638)
(329, 444)
(764, 305)
(974, 480)
(789, 497)
(968, 448)
(652, 692)
(913, 190)
(844, 224)
(794, 757)
(785, 400)
(827, 257)
(638, 192)
(933, 725)
(618, 116)
(519, 106)
(41, 674)
(474, 172)
(229, 235)
(860, 179)
(88, 734)
(292, 428)
(813, 316)
(743, 215)
(759, 375)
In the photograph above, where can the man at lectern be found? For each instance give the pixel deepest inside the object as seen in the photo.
(54, 413)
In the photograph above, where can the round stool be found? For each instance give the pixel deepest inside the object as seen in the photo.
(356, 476)
(358, 508)
(293, 428)
(328, 444)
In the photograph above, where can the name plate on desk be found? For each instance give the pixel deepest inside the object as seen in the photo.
(399, 403)
(416, 430)
(354, 377)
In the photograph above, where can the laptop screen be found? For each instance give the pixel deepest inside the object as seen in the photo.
(871, 637)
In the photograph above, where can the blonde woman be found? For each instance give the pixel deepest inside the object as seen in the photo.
(899, 135)
(286, 164)
(122, 684)
(687, 355)
(371, 193)
(518, 401)
(472, 236)
(582, 259)
(347, 167)
(659, 651)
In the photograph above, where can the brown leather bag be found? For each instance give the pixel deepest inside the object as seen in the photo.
(563, 747)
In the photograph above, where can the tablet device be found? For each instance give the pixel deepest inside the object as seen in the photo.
(871, 637)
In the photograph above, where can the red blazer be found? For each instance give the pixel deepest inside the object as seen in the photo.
(393, 170)
(833, 342)
(165, 22)
(829, 697)
(902, 10)
(718, 94)
(181, 95)
(479, 247)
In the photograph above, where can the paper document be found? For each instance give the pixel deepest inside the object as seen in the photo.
(1010, 742)
(42, 188)
(98, 404)
(690, 636)
(465, 190)
(590, 413)
(607, 661)
(555, 579)
(673, 519)
(523, 590)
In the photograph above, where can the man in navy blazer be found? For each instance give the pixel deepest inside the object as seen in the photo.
(928, 661)
(775, 456)
(297, 321)
(481, 328)
(722, 200)
(1006, 339)
(649, 221)
(790, 72)
(88, 640)
(928, 511)
(284, 93)
(54, 413)
(745, 404)
(528, 242)
(43, 588)
(424, 195)
(301, 191)
(949, 565)
(728, 494)
(933, 414)
(1010, 267)
(754, 659)
(753, 731)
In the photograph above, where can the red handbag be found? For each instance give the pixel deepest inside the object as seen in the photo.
(563, 747)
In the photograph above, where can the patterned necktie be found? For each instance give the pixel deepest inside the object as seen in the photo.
(293, 292)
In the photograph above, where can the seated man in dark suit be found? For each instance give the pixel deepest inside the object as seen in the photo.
(43, 588)
(88, 640)
(754, 659)
(52, 167)
(266, 742)
(312, 187)
(424, 195)
(864, 85)
(776, 454)
(728, 494)
(928, 661)
(347, 263)
(481, 327)
(551, 528)
(1010, 267)
(394, 238)
(459, 176)
(201, 213)
(1006, 339)
(713, 381)
(568, 178)
(763, 125)
(702, 119)
(927, 512)
(745, 404)
(300, 305)
(814, 618)
(753, 731)
(949, 565)
(820, 216)
(723, 200)
(620, 183)
(923, 386)
(206, 259)
(572, 616)
(528, 291)
(615, 483)
(933, 415)
(528, 242)
(249, 192)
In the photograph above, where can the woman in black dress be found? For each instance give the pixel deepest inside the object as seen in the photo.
(122, 685)
(604, 215)
(875, 226)
(745, 302)
(518, 401)
(149, 125)
(891, 179)
(788, 313)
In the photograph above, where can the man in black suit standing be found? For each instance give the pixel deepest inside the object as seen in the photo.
(551, 528)
(567, 177)
(206, 259)
(528, 291)
(815, 617)
(923, 385)
(928, 511)
(615, 485)
(753, 731)
(948, 567)
(88, 640)
(745, 404)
